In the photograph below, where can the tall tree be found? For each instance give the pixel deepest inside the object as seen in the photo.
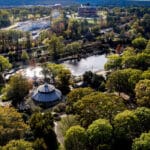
(55, 46)
(4, 64)
(42, 127)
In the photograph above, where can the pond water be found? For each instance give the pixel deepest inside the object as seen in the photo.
(31, 72)
(93, 63)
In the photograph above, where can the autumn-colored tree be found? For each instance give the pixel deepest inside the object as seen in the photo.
(11, 125)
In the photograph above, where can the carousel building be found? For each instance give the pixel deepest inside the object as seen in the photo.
(47, 95)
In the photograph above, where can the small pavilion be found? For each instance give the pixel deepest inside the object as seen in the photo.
(47, 95)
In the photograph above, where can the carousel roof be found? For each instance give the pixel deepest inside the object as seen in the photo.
(46, 93)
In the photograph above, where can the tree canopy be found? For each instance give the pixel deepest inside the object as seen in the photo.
(139, 43)
(74, 96)
(55, 46)
(4, 63)
(41, 125)
(142, 91)
(75, 138)
(99, 133)
(142, 143)
(124, 80)
(18, 145)
(11, 125)
(17, 88)
(125, 128)
(98, 105)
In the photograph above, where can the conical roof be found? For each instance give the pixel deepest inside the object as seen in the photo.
(46, 93)
(46, 88)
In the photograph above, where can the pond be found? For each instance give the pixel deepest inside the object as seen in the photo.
(93, 63)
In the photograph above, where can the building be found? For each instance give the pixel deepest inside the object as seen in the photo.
(87, 11)
(47, 95)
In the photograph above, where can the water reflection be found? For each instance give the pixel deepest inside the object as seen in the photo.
(92, 63)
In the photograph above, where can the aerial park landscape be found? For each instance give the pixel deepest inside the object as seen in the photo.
(74, 75)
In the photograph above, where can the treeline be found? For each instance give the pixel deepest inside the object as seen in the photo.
(10, 16)
(4, 18)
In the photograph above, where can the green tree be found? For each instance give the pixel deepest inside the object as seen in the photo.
(142, 143)
(98, 105)
(143, 61)
(139, 43)
(63, 81)
(143, 114)
(147, 49)
(24, 56)
(145, 22)
(39, 144)
(75, 138)
(146, 74)
(113, 62)
(74, 96)
(125, 129)
(142, 91)
(73, 29)
(4, 63)
(18, 145)
(42, 127)
(56, 46)
(54, 69)
(93, 80)
(4, 18)
(17, 88)
(67, 122)
(11, 125)
(72, 48)
(99, 133)
(124, 80)
(129, 58)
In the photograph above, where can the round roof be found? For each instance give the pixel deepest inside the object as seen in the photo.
(46, 88)
(46, 93)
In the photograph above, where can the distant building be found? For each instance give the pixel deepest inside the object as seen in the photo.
(56, 11)
(57, 6)
(87, 11)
